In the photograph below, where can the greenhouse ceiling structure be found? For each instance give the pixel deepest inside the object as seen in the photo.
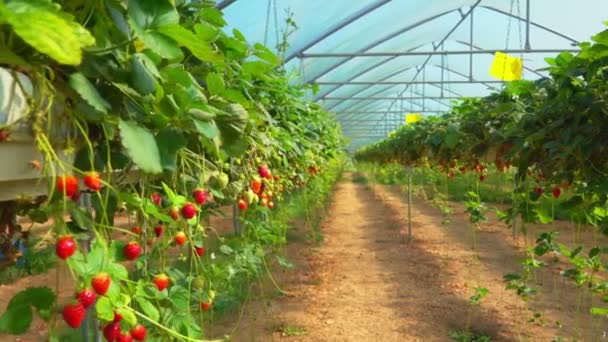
(376, 60)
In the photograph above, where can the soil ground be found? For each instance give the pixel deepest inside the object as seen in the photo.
(366, 282)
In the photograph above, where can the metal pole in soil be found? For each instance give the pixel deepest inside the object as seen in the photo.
(409, 204)
(85, 202)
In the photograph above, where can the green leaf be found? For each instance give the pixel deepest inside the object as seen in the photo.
(142, 78)
(88, 92)
(148, 309)
(104, 309)
(42, 298)
(215, 84)
(16, 320)
(226, 249)
(128, 316)
(207, 128)
(170, 141)
(140, 146)
(152, 13)
(201, 49)
(117, 271)
(599, 311)
(49, 31)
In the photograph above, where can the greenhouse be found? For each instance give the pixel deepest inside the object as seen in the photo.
(269, 170)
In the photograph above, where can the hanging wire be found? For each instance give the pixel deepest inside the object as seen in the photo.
(267, 23)
(276, 24)
(520, 29)
(509, 21)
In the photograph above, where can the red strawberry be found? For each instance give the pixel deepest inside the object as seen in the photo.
(277, 178)
(156, 198)
(556, 192)
(117, 317)
(482, 178)
(263, 171)
(87, 297)
(180, 238)
(136, 230)
(158, 230)
(242, 205)
(206, 306)
(4, 135)
(200, 196)
(538, 190)
(200, 251)
(125, 337)
(256, 185)
(101, 283)
(161, 281)
(74, 314)
(174, 213)
(92, 180)
(132, 250)
(67, 185)
(111, 332)
(65, 247)
(189, 211)
(139, 332)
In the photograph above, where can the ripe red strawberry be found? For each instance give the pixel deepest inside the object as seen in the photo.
(117, 317)
(74, 314)
(156, 198)
(263, 171)
(132, 250)
(189, 211)
(256, 185)
(111, 332)
(67, 185)
(538, 190)
(180, 238)
(87, 297)
(482, 178)
(158, 230)
(65, 247)
(206, 306)
(200, 196)
(556, 192)
(4, 135)
(138, 332)
(174, 213)
(161, 281)
(101, 283)
(200, 251)
(93, 180)
(136, 230)
(242, 205)
(124, 337)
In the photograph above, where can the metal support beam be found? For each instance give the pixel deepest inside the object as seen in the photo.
(431, 53)
(223, 4)
(471, 47)
(527, 46)
(532, 23)
(393, 98)
(408, 82)
(380, 41)
(350, 19)
(383, 112)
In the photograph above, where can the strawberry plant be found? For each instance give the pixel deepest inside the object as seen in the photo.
(152, 109)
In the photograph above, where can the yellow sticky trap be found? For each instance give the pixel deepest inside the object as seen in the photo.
(412, 117)
(506, 68)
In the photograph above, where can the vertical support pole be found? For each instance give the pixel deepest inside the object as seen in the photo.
(528, 46)
(423, 88)
(408, 171)
(442, 68)
(86, 203)
(471, 29)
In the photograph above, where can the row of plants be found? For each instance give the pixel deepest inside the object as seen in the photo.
(150, 108)
(550, 134)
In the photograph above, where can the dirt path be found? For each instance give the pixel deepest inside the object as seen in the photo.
(366, 283)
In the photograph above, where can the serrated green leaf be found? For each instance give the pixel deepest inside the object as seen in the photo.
(128, 316)
(207, 128)
(215, 84)
(141, 146)
(142, 79)
(88, 92)
(16, 320)
(201, 49)
(148, 309)
(170, 142)
(48, 31)
(117, 271)
(104, 309)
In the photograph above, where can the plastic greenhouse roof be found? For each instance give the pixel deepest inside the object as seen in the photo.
(375, 60)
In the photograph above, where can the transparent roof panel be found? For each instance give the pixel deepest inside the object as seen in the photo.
(401, 34)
